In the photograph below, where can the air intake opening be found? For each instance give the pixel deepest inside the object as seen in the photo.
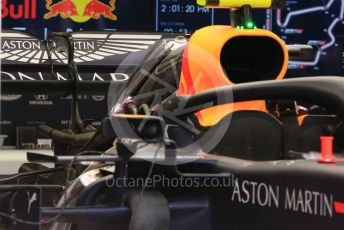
(252, 58)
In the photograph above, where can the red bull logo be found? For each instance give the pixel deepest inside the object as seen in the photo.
(81, 10)
(26, 9)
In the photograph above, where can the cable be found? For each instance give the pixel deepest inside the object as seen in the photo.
(42, 186)
(15, 219)
(338, 127)
(16, 176)
(132, 108)
(49, 52)
(144, 108)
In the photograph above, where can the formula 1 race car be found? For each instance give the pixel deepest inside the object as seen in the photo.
(207, 134)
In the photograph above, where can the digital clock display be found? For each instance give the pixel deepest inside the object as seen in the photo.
(181, 16)
(184, 16)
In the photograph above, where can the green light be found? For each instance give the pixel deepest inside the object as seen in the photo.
(249, 25)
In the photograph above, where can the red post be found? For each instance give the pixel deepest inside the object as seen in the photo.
(326, 150)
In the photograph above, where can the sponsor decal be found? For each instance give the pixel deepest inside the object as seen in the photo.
(308, 201)
(41, 100)
(21, 45)
(80, 97)
(65, 122)
(89, 47)
(32, 44)
(68, 122)
(339, 207)
(28, 203)
(26, 9)
(31, 199)
(41, 97)
(34, 123)
(85, 45)
(96, 123)
(80, 11)
(298, 200)
(39, 76)
(4, 122)
(10, 97)
(98, 98)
